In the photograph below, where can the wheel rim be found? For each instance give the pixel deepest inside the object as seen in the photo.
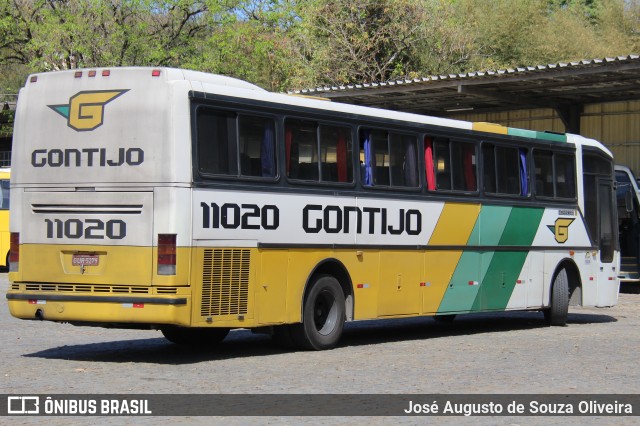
(325, 313)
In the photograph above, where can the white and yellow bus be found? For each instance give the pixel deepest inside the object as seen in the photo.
(195, 204)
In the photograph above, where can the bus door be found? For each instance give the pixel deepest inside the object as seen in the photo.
(628, 224)
(608, 243)
(600, 214)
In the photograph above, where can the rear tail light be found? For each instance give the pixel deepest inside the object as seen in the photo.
(166, 254)
(14, 251)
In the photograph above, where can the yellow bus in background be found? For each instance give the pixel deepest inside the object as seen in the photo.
(5, 175)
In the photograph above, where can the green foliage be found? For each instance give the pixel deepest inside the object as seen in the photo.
(360, 40)
(6, 121)
(547, 31)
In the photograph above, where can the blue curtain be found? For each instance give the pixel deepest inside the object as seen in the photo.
(524, 181)
(267, 151)
(369, 158)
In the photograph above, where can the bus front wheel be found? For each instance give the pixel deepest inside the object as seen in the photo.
(557, 313)
(195, 336)
(323, 315)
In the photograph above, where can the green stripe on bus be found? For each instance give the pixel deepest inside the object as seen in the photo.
(460, 295)
(554, 137)
(548, 136)
(523, 133)
(505, 267)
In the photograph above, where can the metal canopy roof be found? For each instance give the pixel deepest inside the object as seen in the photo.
(566, 87)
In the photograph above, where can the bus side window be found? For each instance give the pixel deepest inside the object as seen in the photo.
(318, 152)
(388, 159)
(455, 165)
(503, 173)
(257, 146)
(507, 164)
(236, 145)
(565, 175)
(336, 152)
(555, 174)
(544, 172)
(301, 139)
(217, 149)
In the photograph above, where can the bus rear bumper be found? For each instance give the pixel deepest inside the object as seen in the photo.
(109, 310)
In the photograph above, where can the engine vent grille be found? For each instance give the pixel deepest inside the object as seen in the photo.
(225, 282)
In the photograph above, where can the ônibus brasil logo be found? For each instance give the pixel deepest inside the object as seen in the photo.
(85, 110)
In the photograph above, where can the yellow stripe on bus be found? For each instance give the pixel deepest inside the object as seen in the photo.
(490, 128)
(454, 227)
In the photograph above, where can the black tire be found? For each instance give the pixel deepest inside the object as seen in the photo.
(557, 313)
(323, 316)
(195, 336)
(444, 319)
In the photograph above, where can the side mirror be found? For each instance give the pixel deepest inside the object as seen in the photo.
(628, 201)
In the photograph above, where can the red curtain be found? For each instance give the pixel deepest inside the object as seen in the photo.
(428, 161)
(469, 171)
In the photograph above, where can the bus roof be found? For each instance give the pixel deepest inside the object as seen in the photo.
(168, 74)
(233, 87)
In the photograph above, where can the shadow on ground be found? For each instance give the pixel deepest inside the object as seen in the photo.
(243, 343)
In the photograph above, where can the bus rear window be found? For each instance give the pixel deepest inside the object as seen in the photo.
(232, 144)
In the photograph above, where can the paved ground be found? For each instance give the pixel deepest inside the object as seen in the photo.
(501, 353)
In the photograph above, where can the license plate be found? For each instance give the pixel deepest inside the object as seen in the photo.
(85, 260)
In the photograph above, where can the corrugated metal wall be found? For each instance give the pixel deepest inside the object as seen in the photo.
(616, 124)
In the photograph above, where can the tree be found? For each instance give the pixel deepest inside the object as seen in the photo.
(65, 34)
(360, 40)
(519, 33)
(281, 44)
(253, 43)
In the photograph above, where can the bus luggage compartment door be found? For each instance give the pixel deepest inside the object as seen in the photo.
(87, 237)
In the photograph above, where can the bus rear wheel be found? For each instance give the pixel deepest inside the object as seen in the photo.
(323, 315)
(195, 336)
(557, 313)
